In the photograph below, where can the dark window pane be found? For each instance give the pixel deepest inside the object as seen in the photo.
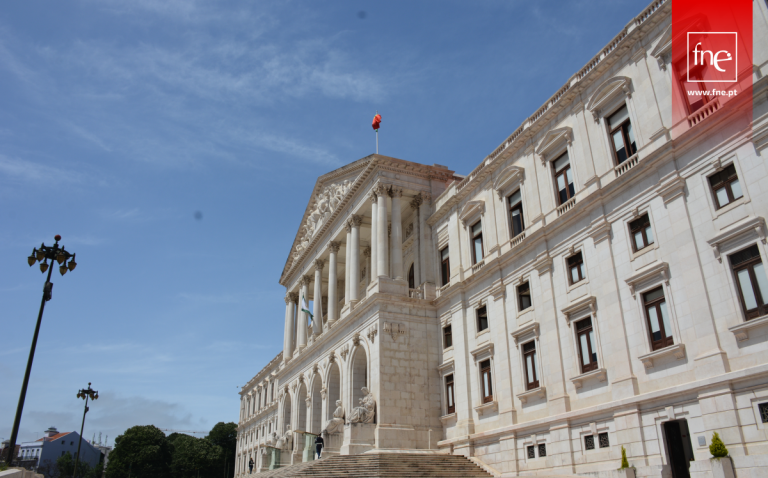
(763, 407)
(603, 437)
(482, 319)
(524, 296)
(542, 450)
(531, 452)
(447, 336)
(589, 442)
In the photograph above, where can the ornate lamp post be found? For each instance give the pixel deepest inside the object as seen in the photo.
(85, 394)
(42, 255)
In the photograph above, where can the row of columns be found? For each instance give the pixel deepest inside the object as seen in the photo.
(381, 248)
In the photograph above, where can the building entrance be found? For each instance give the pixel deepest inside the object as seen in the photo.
(679, 447)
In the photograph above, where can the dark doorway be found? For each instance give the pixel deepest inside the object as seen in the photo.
(411, 278)
(679, 447)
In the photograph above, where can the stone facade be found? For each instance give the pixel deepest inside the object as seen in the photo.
(581, 308)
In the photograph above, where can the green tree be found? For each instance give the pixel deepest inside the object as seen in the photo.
(65, 467)
(225, 436)
(624, 462)
(142, 451)
(717, 447)
(194, 457)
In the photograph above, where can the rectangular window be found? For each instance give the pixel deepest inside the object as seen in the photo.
(451, 408)
(603, 438)
(531, 451)
(658, 319)
(487, 384)
(516, 213)
(477, 242)
(447, 336)
(542, 450)
(589, 442)
(763, 407)
(696, 75)
(482, 319)
(751, 281)
(725, 186)
(622, 136)
(523, 296)
(531, 365)
(563, 179)
(445, 266)
(576, 271)
(585, 336)
(642, 235)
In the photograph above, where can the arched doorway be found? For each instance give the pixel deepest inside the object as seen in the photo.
(287, 413)
(359, 375)
(317, 406)
(411, 278)
(333, 389)
(301, 406)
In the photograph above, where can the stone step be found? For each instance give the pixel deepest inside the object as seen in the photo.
(392, 465)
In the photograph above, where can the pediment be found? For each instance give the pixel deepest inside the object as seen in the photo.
(507, 177)
(553, 140)
(607, 91)
(471, 209)
(664, 44)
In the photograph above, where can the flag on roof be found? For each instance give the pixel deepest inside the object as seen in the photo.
(376, 122)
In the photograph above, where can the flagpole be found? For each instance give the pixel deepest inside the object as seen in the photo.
(377, 141)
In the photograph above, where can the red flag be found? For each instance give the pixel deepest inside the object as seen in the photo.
(376, 122)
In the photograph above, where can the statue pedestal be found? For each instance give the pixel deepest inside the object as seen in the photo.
(358, 438)
(333, 443)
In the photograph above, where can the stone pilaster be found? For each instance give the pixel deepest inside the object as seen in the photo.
(290, 299)
(354, 262)
(397, 234)
(348, 250)
(333, 299)
(317, 322)
(374, 239)
(382, 252)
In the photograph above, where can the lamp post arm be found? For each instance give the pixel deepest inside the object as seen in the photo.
(23, 394)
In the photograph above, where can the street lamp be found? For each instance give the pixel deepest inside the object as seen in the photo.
(42, 255)
(85, 394)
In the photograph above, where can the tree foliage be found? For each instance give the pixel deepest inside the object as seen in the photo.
(142, 451)
(717, 447)
(196, 457)
(225, 436)
(624, 462)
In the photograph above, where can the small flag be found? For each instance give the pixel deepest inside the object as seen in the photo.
(376, 122)
(305, 308)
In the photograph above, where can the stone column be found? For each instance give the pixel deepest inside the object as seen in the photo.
(333, 299)
(426, 253)
(317, 304)
(397, 234)
(382, 252)
(348, 247)
(417, 279)
(374, 227)
(354, 263)
(367, 262)
(301, 323)
(290, 298)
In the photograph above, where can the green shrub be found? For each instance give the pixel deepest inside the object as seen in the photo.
(717, 447)
(624, 462)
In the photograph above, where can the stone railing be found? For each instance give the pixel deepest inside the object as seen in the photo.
(478, 266)
(566, 206)
(415, 293)
(630, 163)
(515, 241)
(442, 289)
(704, 112)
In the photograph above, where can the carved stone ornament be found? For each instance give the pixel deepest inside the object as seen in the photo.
(417, 201)
(323, 392)
(344, 351)
(373, 197)
(367, 251)
(372, 333)
(355, 220)
(356, 339)
(381, 190)
(305, 280)
(394, 330)
(334, 246)
(396, 192)
(332, 357)
(325, 202)
(319, 264)
(365, 413)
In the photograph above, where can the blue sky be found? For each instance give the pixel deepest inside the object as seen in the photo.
(120, 120)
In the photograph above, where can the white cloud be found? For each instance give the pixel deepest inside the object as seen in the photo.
(30, 171)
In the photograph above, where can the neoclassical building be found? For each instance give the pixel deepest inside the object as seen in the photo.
(596, 282)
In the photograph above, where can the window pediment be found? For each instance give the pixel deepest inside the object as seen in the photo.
(647, 273)
(663, 46)
(508, 177)
(553, 141)
(756, 224)
(610, 89)
(522, 333)
(585, 303)
(471, 210)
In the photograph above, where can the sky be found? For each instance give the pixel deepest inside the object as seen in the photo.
(174, 146)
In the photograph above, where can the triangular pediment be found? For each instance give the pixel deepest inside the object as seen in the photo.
(664, 44)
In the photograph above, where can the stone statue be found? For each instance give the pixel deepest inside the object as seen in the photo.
(272, 439)
(335, 424)
(365, 412)
(285, 442)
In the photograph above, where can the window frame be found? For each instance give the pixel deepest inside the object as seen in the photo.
(762, 308)
(445, 266)
(412, 276)
(581, 270)
(725, 183)
(593, 355)
(473, 238)
(450, 396)
(530, 384)
(447, 337)
(520, 296)
(485, 371)
(511, 209)
(642, 228)
(555, 174)
(484, 308)
(624, 134)
(667, 340)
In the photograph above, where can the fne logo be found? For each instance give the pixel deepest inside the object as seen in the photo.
(712, 57)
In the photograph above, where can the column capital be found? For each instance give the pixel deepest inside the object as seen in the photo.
(305, 280)
(373, 197)
(426, 198)
(396, 192)
(416, 202)
(347, 226)
(334, 246)
(319, 264)
(355, 220)
(381, 190)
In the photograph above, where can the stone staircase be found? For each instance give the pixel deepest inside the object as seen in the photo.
(394, 465)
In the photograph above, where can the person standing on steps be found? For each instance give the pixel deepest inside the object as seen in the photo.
(319, 444)
(250, 465)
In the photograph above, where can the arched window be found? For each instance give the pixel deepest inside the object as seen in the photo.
(411, 278)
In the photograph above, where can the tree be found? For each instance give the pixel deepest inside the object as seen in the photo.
(142, 451)
(196, 457)
(717, 447)
(225, 436)
(65, 466)
(624, 462)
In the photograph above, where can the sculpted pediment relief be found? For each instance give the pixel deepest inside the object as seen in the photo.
(325, 202)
